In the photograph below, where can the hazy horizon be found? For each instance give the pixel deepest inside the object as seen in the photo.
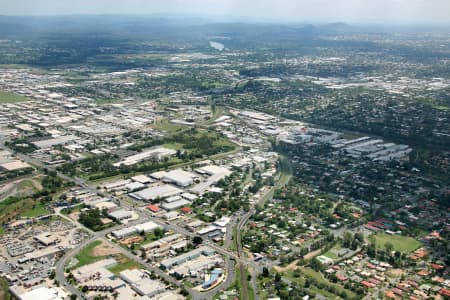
(318, 11)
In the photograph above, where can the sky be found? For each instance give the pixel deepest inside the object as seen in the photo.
(353, 11)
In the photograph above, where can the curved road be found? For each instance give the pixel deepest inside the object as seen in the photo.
(230, 256)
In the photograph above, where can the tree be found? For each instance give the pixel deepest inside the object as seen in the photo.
(197, 240)
(297, 273)
(389, 248)
(265, 272)
(372, 247)
(347, 239)
(91, 219)
(359, 236)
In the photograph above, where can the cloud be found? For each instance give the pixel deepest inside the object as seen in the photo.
(412, 11)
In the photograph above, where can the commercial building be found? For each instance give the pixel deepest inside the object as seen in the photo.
(144, 227)
(179, 177)
(156, 152)
(222, 222)
(14, 165)
(175, 204)
(156, 192)
(46, 238)
(141, 283)
(38, 293)
(215, 173)
(163, 243)
(124, 232)
(177, 260)
(116, 185)
(197, 265)
(142, 179)
(55, 141)
(120, 214)
(216, 274)
(95, 270)
(147, 227)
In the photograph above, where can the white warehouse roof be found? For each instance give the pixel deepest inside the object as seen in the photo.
(157, 152)
(42, 293)
(159, 191)
(175, 204)
(147, 226)
(179, 177)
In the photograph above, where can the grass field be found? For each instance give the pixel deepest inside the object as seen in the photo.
(324, 293)
(308, 272)
(332, 252)
(250, 291)
(7, 97)
(85, 256)
(174, 146)
(401, 243)
(38, 210)
(124, 264)
(14, 206)
(169, 127)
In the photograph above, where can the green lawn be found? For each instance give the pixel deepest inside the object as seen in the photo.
(68, 210)
(149, 238)
(174, 146)
(331, 253)
(169, 127)
(38, 210)
(7, 97)
(124, 265)
(15, 206)
(324, 293)
(250, 291)
(85, 256)
(308, 272)
(401, 243)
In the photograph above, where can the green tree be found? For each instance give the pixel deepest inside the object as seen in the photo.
(389, 247)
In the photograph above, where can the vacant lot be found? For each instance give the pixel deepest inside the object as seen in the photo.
(98, 250)
(104, 249)
(401, 243)
(7, 97)
(12, 207)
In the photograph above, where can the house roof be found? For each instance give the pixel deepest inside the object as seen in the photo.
(153, 208)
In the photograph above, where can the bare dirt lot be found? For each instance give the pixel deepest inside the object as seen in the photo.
(291, 266)
(104, 249)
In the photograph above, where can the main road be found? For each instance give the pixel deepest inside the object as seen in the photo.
(230, 256)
